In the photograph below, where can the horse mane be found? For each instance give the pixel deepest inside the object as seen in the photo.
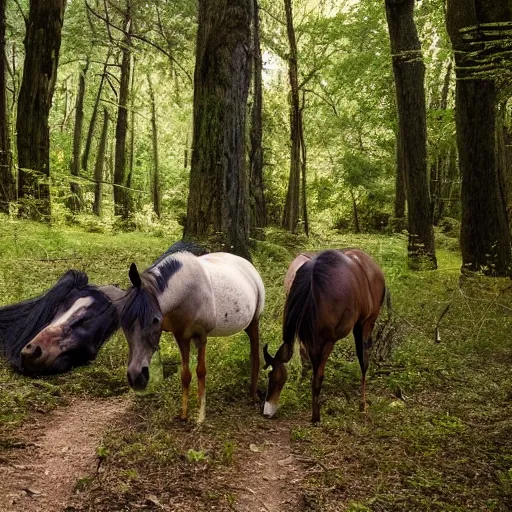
(138, 301)
(19, 323)
(311, 281)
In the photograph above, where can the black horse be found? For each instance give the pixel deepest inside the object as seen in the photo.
(63, 328)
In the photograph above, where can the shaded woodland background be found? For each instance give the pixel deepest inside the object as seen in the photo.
(229, 116)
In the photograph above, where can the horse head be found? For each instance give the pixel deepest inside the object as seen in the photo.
(84, 320)
(141, 321)
(276, 378)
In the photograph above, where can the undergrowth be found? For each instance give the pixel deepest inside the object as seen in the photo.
(437, 435)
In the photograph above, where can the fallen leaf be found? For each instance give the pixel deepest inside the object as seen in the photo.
(255, 448)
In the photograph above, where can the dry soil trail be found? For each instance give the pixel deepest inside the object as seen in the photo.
(57, 450)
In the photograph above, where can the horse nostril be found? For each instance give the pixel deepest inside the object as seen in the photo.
(145, 372)
(130, 381)
(31, 355)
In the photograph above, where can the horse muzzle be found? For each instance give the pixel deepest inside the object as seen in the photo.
(269, 409)
(31, 353)
(140, 380)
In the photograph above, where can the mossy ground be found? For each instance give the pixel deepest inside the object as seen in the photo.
(438, 434)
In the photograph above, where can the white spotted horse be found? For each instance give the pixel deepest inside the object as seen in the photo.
(330, 294)
(193, 297)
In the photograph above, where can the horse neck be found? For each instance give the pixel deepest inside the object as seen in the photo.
(115, 295)
(178, 286)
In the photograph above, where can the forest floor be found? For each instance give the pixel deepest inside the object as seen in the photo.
(437, 436)
(53, 452)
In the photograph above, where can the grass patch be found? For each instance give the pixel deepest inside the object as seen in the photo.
(437, 436)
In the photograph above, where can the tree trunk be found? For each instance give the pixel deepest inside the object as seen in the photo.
(291, 207)
(98, 168)
(409, 72)
(218, 200)
(155, 188)
(92, 123)
(258, 206)
(6, 177)
(76, 199)
(131, 153)
(357, 228)
(121, 193)
(303, 166)
(399, 179)
(42, 45)
(485, 236)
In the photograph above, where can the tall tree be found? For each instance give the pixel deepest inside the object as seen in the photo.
(485, 236)
(6, 177)
(409, 72)
(92, 122)
(121, 193)
(218, 198)
(75, 201)
(42, 45)
(258, 206)
(100, 162)
(155, 186)
(292, 204)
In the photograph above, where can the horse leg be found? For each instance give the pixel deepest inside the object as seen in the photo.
(186, 376)
(362, 336)
(201, 377)
(318, 362)
(304, 359)
(254, 337)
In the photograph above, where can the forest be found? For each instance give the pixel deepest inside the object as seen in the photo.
(265, 129)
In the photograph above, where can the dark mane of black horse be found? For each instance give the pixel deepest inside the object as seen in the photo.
(19, 323)
(311, 280)
(138, 304)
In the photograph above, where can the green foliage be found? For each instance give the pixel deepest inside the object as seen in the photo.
(438, 418)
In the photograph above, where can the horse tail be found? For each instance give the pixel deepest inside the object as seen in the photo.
(300, 307)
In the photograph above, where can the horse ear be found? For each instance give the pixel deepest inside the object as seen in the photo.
(269, 360)
(134, 276)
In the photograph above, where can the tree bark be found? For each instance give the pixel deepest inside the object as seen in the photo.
(6, 176)
(42, 45)
(258, 206)
(218, 199)
(399, 179)
(409, 72)
(292, 203)
(75, 202)
(303, 168)
(98, 168)
(485, 236)
(92, 122)
(131, 153)
(155, 187)
(121, 193)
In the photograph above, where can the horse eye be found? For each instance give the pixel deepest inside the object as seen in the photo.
(156, 320)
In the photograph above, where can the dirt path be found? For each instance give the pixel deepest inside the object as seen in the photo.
(268, 473)
(57, 450)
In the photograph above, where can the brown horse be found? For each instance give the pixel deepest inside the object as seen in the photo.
(330, 293)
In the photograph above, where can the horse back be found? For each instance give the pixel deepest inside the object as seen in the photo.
(349, 287)
(370, 280)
